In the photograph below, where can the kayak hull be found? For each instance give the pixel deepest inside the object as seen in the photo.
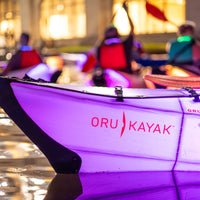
(89, 129)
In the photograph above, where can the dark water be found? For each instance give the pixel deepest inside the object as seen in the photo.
(25, 174)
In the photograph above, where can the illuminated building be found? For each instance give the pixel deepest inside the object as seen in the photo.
(82, 22)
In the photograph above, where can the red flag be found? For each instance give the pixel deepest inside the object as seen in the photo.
(156, 12)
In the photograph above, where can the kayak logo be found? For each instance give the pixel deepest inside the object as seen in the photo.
(193, 110)
(131, 126)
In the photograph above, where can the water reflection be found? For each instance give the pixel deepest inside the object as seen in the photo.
(17, 186)
(8, 185)
(4, 119)
(64, 187)
(24, 171)
(105, 186)
(132, 185)
(25, 174)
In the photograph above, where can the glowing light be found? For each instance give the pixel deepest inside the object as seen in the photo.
(3, 65)
(114, 78)
(55, 63)
(184, 38)
(26, 48)
(6, 122)
(4, 184)
(2, 44)
(59, 26)
(175, 71)
(179, 1)
(80, 61)
(4, 26)
(7, 25)
(2, 193)
(9, 15)
(152, 119)
(60, 7)
(37, 181)
(121, 22)
(39, 194)
(40, 71)
(64, 21)
(8, 56)
(81, 22)
(143, 22)
(2, 156)
(34, 188)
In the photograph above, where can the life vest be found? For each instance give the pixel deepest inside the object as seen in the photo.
(112, 56)
(181, 51)
(29, 58)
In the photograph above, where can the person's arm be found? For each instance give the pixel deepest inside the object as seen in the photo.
(129, 19)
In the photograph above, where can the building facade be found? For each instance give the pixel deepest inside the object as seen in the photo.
(82, 22)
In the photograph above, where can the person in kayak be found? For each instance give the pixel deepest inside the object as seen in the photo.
(113, 52)
(24, 57)
(184, 50)
(138, 52)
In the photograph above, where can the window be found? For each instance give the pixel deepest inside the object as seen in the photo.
(144, 22)
(9, 22)
(63, 19)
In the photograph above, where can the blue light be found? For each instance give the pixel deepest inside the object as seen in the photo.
(26, 48)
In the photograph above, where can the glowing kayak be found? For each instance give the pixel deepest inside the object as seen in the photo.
(44, 71)
(40, 71)
(126, 185)
(96, 129)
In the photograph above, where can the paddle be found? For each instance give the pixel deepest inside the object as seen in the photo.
(174, 81)
(124, 2)
(92, 61)
(157, 13)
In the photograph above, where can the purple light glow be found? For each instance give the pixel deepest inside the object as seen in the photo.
(40, 71)
(3, 65)
(91, 125)
(133, 185)
(113, 78)
(26, 48)
(130, 185)
(112, 41)
(82, 58)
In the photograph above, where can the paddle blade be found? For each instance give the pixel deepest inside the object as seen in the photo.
(156, 12)
(174, 81)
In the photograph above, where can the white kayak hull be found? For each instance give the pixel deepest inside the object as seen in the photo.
(140, 130)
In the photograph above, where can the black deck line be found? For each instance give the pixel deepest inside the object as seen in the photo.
(176, 185)
(38, 83)
(62, 159)
(180, 137)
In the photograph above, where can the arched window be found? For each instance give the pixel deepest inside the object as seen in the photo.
(144, 22)
(63, 19)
